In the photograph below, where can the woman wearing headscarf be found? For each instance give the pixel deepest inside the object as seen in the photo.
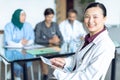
(18, 33)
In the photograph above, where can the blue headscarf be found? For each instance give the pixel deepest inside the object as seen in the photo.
(16, 19)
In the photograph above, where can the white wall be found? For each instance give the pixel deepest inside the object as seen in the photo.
(113, 11)
(33, 8)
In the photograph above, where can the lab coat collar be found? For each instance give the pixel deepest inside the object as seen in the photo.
(94, 42)
(102, 35)
(85, 50)
(69, 22)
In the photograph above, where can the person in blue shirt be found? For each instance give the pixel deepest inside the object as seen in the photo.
(18, 33)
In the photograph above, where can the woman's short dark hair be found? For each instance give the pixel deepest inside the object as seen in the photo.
(48, 11)
(97, 4)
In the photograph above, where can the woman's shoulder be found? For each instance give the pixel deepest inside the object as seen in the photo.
(27, 23)
(9, 25)
(103, 38)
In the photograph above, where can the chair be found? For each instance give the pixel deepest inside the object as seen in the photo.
(113, 69)
(39, 72)
(6, 69)
(0, 67)
(1, 36)
(6, 63)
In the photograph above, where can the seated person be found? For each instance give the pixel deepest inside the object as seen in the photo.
(72, 30)
(18, 33)
(47, 32)
(93, 58)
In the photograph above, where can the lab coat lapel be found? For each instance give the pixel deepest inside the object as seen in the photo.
(84, 51)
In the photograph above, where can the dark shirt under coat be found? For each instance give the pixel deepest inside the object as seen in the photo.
(43, 34)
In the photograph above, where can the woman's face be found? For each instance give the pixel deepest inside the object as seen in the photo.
(49, 18)
(22, 17)
(94, 19)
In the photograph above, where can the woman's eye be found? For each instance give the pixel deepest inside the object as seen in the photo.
(95, 17)
(86, 16)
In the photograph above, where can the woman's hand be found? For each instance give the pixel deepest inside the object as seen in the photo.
(24, 41)
(58, 62)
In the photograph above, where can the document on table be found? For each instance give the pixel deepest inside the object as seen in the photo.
(13, 47)
(46, 50)
(33, 46)
(24, 47)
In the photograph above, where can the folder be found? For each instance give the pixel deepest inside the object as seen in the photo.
(48, 50)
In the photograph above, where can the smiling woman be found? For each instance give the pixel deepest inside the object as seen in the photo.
(95, 18)
(94, 50)
(33, 8)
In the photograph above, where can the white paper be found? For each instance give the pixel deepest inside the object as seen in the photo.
(15, 47)
(46, 61)
(24, 47)
(33, 46)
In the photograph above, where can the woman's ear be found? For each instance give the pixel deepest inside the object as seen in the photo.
(105, 18)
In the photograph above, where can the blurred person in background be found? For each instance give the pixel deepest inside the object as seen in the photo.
(18, 33)
(72, 30)
(47, 33)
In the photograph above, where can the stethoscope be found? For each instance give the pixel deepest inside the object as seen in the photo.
(81, 60)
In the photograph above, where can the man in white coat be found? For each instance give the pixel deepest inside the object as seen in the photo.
(93, 58)
(72, 30)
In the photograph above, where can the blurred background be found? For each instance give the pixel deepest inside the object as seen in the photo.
(35, 8)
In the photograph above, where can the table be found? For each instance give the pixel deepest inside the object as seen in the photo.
(58, 51)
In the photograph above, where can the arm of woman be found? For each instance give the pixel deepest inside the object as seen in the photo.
(96, 69)
(64, 63)
(31, 36)
(8, 36)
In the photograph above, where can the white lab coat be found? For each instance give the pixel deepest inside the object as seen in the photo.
(95, 63)
(72, 34)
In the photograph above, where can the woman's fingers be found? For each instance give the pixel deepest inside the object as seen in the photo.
(58, 62)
